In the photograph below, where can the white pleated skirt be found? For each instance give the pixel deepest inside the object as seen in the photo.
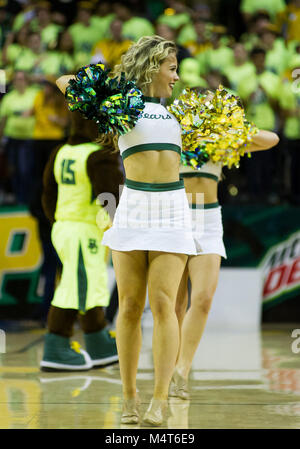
(207, 229)
(152, 217)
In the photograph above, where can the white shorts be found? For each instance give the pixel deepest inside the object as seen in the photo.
(208, 229)
(152, 217)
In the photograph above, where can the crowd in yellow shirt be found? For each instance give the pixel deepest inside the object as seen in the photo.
(253, 50)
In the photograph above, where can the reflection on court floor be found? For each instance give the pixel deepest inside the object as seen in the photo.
(239, 380)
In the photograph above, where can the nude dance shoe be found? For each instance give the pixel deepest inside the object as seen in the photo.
(130, 412)
(179, 387)
(154, 415)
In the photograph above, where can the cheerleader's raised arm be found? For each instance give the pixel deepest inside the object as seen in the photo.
(63, 81)
(263, 140)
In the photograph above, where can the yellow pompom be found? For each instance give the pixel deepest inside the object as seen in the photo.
(216, 121)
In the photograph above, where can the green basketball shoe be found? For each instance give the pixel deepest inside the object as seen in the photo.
(101, 347)
(62, 355)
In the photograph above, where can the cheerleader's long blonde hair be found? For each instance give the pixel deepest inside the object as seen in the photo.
(143, 59)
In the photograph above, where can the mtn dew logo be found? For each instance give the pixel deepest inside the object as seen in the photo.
(281, 270)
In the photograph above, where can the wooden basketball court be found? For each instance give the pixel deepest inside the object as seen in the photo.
(238, 381)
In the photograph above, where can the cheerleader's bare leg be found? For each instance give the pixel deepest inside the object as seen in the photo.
(203, 272)
(182, 297)
(165, 272)
(131, 276)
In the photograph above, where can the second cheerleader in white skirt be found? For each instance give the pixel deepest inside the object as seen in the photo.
(203, 269)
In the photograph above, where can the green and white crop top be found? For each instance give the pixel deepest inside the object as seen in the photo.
(212, 170)
(156, 129)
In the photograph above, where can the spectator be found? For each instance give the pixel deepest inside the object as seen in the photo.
(44, 26)
(51, 121)
(14, 46)
(102, 19)
(134, 27)
(189, 76)
(83, 33)
(202, 11)
(170, 34)
(60, 19)
(190, 72)
(260, 92)
(215, 78)
(219, 55)
(200, 17)
(276, 51)
(31, 57)
(272, 7)
(17, 126)
(289, 102)
(199, 39)
(288, 21)
(255, 27)
(240, 68)
(176, 15)
(109, 51)
(24, 17)
(61, 59)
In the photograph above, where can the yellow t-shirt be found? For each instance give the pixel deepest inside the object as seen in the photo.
(12, 106)
(290, 19)
(109, 51)
(45, 128)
